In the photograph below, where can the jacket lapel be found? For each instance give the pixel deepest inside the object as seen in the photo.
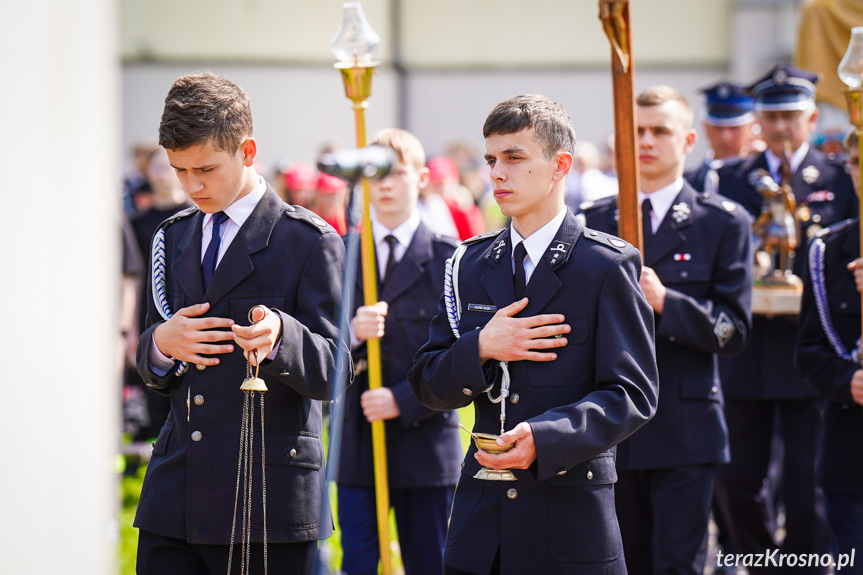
(411, 267)
(544, 282)
(671, 231)
(187, 267)
(498, 280)
(236, 265)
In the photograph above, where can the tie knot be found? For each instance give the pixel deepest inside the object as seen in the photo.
(219, 218)
(646, 206)
(391, 241)
(520, 253)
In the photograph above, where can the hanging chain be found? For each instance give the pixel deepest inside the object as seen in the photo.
(245, 468)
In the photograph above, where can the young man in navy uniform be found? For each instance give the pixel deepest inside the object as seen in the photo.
(828, 340)
(697, 277)
(238, 248)
(761, 383)
(729, 124)
(423, 446)
(543, 327)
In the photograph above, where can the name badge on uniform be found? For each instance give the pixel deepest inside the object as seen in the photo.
(481, 307)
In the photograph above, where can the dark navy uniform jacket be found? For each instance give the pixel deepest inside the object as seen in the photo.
(423, 445)
(765, 370)
(697, 177)
(701, 253)
(841, 463)
(558, 517)
(289, 260)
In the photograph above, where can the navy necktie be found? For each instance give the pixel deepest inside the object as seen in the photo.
(391, 257)
(520, 278)
(208, 265)
(646, 223)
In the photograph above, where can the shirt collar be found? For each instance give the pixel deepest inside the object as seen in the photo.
(241, 209)
(797, 156)
(404, 232)
(538, 241)
(662, 198)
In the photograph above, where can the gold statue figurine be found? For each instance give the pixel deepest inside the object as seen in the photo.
(776, 228)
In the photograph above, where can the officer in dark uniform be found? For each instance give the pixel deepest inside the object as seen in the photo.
(240, 247)
(728, 124)
(828, 357)
(423, 445)
(761, 383)
(543, 327)
(698, 279)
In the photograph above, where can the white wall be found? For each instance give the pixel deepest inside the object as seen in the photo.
(59, 416)
(297, 108)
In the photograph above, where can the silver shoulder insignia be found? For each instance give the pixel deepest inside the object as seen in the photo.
(729, 206)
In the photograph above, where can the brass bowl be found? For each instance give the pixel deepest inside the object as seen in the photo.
(486, 442)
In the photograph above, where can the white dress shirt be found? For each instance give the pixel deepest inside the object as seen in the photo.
(773, 162)
(661, 201)
(404, 234)
(536, 243)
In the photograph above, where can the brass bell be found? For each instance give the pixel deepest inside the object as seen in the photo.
(254, 384)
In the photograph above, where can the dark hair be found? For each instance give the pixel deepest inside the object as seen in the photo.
(658, 95)
(203, 108)
(551, 124)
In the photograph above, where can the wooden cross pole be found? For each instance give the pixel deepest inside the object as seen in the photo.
(614, 15)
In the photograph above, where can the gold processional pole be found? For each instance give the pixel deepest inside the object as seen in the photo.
(851, 73)
(614, 15)
(354, 45)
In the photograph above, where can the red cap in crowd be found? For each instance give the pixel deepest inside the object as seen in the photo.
(300, 176)
(330, 184)
(442, 170)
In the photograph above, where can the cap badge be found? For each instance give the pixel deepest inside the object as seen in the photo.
(723, 91)
(780, 76)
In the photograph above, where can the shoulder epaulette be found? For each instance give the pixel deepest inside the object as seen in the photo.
(605, 239)
(592, 204)
(190, 211)
(837, 227)
(448, 240)
(721, 203)
(483, 237)
(308, 217)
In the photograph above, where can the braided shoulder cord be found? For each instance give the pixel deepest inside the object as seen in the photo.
(160, 297)
(453, 312)
(819, 291)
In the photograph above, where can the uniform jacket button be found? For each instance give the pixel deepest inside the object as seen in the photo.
(511, 493)
(467, 391)
(293, 453)
(589, 475)
(462, 463)
(714, 389)
(199, 400)
(514, 398)
(197, 436)
(201, 367)
(562, 472)
(684, 274)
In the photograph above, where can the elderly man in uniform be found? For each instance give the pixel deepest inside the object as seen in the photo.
(729, 125)
(698, 280)
(543, 327)
(761, 383)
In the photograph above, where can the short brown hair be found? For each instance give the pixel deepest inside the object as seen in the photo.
(406, 146)
(551, 124)
(659, 95)
(203, 108)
